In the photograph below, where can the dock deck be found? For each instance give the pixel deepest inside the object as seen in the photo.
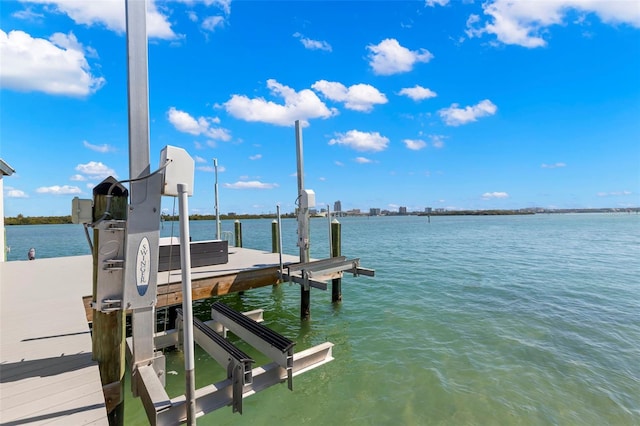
(46, 371)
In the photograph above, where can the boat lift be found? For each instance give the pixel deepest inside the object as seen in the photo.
(126, 263)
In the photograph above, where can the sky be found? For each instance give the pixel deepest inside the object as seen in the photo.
(449, 104)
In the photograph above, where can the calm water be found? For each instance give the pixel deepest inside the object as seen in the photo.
(469, 320)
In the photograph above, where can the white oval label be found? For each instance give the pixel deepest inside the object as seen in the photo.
(143, 263)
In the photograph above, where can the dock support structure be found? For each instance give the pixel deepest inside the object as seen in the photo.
(275, 237)
(108, 335)
(336, 251)
(237, 227)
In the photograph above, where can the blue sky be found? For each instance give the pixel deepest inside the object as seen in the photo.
(447, 104)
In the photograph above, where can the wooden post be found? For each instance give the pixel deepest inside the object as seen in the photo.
(238, 229)
(108, 336)
(275, 237)
(336, 249)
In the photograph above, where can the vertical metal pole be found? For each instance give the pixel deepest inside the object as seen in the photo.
(143, 219)
(187, 307)
(215, 167)
(303, 226)
(299, 157)
(138, 89)
(279, 237)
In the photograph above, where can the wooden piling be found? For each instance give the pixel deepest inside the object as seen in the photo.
(275, 237)
(336, 250)
(108, 336)
(238, 233)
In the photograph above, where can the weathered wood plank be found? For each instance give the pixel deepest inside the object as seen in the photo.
(247, 269)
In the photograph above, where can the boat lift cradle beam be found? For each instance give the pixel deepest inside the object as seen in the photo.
(162, 410)
(311, 273)
(275, 346)
(237, 363)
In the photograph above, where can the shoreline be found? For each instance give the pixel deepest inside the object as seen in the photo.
(61, 220)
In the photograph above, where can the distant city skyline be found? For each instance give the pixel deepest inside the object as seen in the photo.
(447, 104)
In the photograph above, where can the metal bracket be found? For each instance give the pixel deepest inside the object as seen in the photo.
(309, 274)
(277, 347)
(237, 363)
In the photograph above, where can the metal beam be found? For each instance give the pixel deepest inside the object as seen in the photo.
(277, 347)
(220, 394)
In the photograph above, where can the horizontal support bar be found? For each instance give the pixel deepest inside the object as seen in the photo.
(363, 271)
(321, 285)
(219, 395)
(343, 265)
(316, 264)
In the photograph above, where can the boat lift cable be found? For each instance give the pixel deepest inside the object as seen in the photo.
(107, 211)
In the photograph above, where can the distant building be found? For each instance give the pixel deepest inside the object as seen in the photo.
(337, 208)
(374, 212)
(402, 210)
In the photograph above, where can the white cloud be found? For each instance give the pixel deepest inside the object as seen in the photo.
(614, 194)
(77, 178)
(15, 193)
(56, 66)
(363, 160)
(212, 22)
(361, 141)
(433, 3)
(185, 123)
(210, 169)
(415, 144)
(225, 5)
(553, 166)
(95, 170)
(59, 190)
(454, 116)
(104, 148)
(437, 141)
(313, 44)
(492, 195)
(255, 157)
(110, 14)
(418, 93)
(302, 105)
(253, 184)
(524, 23)
(359, 97)
(389, 57)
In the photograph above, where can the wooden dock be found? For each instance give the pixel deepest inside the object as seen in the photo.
(47, 374)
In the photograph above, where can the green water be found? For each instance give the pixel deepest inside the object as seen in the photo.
(469, 320)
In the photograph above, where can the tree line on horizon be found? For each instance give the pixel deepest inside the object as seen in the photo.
(61, 220)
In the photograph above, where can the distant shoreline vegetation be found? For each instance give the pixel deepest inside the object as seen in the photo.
(61, 220)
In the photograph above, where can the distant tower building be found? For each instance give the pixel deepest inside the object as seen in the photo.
(337, 208)
(402, 210)
(374, 212)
